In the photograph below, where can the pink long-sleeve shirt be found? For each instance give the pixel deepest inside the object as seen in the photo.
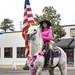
(46, 34)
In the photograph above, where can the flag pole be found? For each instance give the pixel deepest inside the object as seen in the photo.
(20, 25)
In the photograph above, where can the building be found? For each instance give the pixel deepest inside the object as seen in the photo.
(12, 49)
(70, 30)
(12, 45)
(68, 43)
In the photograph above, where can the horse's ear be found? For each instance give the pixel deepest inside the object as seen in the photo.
(38, 26)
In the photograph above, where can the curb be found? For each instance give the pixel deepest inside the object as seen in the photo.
(12, 67)
(21, 67)
(5, 66)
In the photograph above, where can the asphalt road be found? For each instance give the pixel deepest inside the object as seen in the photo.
(24, 72)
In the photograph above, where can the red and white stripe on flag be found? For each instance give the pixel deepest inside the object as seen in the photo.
(28, 19)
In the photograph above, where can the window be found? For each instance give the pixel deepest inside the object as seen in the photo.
(20, 52)
(8, 52)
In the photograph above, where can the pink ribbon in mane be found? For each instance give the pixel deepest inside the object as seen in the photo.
(32, 59)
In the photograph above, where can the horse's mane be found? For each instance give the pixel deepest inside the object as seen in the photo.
(41, 40)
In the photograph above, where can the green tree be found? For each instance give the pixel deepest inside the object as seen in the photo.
(50, 14)
(6, 25)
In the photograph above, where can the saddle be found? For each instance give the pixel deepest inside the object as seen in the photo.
(57, 52)
(50, 53)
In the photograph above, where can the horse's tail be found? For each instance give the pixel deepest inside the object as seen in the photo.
(63, 62)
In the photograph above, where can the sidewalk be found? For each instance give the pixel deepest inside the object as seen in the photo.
(12, 67)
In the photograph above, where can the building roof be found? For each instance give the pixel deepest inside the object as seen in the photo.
(72, 44)
(64, 43)
(68, 25)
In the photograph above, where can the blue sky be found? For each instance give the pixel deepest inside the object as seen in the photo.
(13, 9)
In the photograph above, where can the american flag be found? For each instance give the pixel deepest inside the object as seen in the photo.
(28, 19)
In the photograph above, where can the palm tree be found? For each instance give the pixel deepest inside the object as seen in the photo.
(6, 25)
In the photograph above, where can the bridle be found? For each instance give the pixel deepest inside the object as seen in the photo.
(34, 43)
(34, 33)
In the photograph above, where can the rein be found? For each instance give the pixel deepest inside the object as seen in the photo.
(35, 43)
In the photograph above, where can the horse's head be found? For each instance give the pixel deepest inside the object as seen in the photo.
(32, 31)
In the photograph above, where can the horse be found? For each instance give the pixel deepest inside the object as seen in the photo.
(36, 43)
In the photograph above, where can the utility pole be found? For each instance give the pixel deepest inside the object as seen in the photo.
(20, 25)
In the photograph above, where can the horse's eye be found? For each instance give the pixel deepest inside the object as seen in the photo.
(34, 29)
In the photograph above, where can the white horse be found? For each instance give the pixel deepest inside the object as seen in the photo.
(36, 44)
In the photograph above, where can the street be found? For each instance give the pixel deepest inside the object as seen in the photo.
(26, 72)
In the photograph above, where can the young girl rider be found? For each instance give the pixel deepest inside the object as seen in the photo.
(46, 33)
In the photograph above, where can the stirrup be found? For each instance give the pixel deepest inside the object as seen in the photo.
(52, 65)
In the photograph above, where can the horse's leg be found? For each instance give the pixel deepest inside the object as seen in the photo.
(32, 73)
(39, 71)
(63, 68)
(51, 71)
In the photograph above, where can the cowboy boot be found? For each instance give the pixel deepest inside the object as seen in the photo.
(52, 56)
